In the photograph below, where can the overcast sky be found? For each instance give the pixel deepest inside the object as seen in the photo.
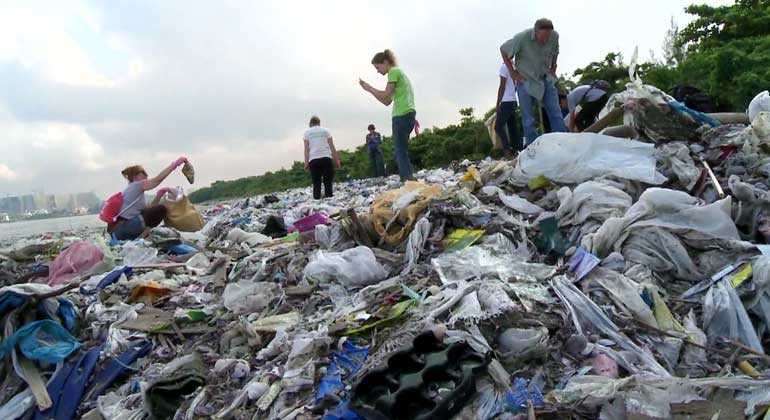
(87, 88)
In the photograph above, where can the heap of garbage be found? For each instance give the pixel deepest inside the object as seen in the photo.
(592, 277)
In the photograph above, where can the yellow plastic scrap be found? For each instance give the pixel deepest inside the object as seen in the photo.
(666, 321)
(471, 179)
(461, 239)
(742, 275)
(394, 226)
(540, 182)
(748, 369)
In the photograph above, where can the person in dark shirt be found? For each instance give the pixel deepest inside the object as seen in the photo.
(373, 142)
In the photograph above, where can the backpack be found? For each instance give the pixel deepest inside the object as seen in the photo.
(111, 209)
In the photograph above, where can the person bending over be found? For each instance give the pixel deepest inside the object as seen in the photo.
(530, 57)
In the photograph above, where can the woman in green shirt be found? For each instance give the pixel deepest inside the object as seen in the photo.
(399, 92)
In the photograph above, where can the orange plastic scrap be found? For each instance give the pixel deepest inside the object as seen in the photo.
(150, 292)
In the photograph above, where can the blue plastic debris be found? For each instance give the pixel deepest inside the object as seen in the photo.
(518, 397)
(107, 280)
(11, 300)
(582, 263)
(348, 362)
(696, 115)
(67, 314)
(45, 341)
(181, 249)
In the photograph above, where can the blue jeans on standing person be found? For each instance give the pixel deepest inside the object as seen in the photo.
(550, 103)
(507, 127)
(378, 164)
(402, 128)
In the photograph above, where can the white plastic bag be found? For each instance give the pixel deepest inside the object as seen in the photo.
(576, 157)
(519, 204)
(246, 296)
(352, 267)
(760, 103)
(135, 253)
(238, 236)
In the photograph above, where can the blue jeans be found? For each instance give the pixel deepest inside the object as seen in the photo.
(378, 164)
(128, 230)
(505, 126)
(402, 128)
(552, 109)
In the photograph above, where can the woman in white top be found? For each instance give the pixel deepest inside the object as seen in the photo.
(320, 157)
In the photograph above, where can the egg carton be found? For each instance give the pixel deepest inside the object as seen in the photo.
(425, 380)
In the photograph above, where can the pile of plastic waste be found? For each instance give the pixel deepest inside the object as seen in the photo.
(592, 277)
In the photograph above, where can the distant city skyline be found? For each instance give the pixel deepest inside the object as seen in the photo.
(21, 204)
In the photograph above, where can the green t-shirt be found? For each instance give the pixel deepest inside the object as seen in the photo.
(403, 98)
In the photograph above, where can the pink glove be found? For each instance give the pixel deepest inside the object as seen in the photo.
(179, 162)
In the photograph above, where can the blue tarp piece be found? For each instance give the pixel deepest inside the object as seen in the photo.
(117, 368)
(68, 386)
(44, 341)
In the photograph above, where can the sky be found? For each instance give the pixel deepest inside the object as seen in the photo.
(88, 88)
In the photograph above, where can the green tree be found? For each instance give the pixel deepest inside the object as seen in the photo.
(728, 51)
(611, 68)
(673, 50)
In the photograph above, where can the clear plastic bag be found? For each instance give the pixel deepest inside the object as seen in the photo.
(725, 317)
(760, 103)
(135, 253)
(353, 267)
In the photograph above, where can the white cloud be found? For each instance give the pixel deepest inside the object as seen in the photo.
(98, 86)
(6, 173)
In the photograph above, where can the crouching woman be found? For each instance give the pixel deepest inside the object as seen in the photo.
(135, 216)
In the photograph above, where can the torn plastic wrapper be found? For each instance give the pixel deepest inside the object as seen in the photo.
(460, 239)
(625, 294)
(415, 244)
(585, 314)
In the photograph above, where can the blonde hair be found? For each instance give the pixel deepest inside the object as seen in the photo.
(384, 56)
(132, 171)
